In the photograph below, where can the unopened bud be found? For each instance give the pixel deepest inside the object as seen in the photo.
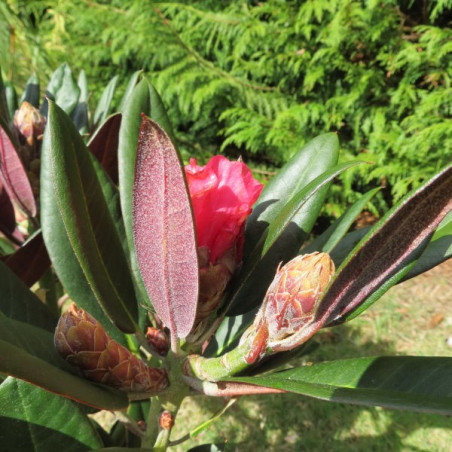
(158, 340)
(290, 304)
(29, 122)
(84, 343)
(166, 420)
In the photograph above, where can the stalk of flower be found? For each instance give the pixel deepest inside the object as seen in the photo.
(84, 343)
(284, 321)
(222, 193)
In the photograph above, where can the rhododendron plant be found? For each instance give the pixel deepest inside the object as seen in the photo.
(193, 280)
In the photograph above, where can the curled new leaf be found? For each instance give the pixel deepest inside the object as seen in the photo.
(164, 231)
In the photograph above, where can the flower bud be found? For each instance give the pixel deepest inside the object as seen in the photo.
(290, 304)
(84, 343)
(158, 340)
(166, 420)
(29, 122)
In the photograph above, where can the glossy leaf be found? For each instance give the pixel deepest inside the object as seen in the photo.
(32, 92)
(30, 261)
(401, 382)
(80, 114)
(327, 241)
(63, 90)
(347, 244)
(391, 246)
(19, 303)
(144, 99)
(17, 362)
(164, 231)
(13, 175)
(11, 98)
(133, 81)
(103, 107)
(252, 285)
(26, 426)
(104, 145)
(71, 190)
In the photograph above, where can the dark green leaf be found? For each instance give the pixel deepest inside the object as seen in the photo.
(133, 81)
(11, 98)
(32, 92)
(401, 382)
(103, 106)
(26, 426)
(278, 242)
(17, 362)
(70, 188)
(4, 112)
(327, 241)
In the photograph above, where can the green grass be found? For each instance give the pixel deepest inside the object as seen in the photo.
(404, 322)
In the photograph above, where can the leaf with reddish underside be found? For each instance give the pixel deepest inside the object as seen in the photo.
(30, 261)
(164, 231)
(388, 251)
(13, 175)
(104, 145)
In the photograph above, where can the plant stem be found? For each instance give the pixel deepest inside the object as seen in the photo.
(152, 427)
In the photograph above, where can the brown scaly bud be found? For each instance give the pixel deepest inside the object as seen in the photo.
(29, 122)
(166, 420)
(84, 343)
(290, 304)
(158, 340)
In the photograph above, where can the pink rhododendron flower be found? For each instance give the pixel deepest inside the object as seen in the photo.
(222, 193)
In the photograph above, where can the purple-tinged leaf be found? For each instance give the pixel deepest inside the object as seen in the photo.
(13, 175)
(104, 145)
(30, 261)
(391, 246)
(163, 230)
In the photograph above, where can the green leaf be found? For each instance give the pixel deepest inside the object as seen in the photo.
(17, 362)
(11, 98)
(63, 90)
(144, 99)
(80, 114)
(32, 92)
(103, 107)
(19, 303)
(327, 241)
(71, 189)
(4, 111)
(26, 426)
(400, 382)
(388, 251)
(133, 81)
(252, 285)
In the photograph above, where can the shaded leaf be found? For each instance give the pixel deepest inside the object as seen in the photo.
(11, 98)
(4, 111)
(71, 189)
(32, 92)
(30, 261)
(327, 241)
(104, 145)
(26, 426)
(7, 218)
(164, 232)
(103, 107)
(19, 303)
(401, 382)
(13, 175)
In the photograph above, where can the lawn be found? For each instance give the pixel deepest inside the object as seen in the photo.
(413, 318)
